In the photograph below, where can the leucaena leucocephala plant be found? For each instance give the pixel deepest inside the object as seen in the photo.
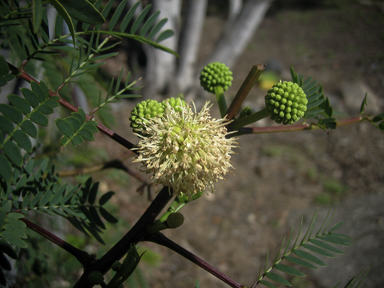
(182, 148)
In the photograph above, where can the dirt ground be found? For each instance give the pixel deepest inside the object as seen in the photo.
(279, 177)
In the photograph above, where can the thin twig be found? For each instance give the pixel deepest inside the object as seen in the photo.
(298, 127)
(83, 257)
(122, 141)
(160, 239)
(243, 92)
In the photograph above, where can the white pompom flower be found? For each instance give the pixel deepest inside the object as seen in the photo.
(185, 150)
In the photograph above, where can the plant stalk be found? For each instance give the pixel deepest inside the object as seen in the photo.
(237, 124)
(243, 92)
(83, 257)
(136, 234)
(160, 239)
(219, 92)
(298, 127)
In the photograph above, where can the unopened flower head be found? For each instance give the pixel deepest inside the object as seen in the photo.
(185, 150)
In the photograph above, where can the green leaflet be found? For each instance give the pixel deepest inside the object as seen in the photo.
(309, 257)
(76, 128)
(83, 11)
(277, 278)
(289, 270)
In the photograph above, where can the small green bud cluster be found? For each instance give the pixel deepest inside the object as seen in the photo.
(286, 102)
(175, 103)
(149, 109)
(245, 112)
(215, 74)
(145, 110)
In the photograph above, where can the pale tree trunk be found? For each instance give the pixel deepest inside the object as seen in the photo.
(167, 75)
(164, 67)
(235, 39)
(190, 42)
(235, 7)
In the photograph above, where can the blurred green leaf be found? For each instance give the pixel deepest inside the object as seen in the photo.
(83, 11)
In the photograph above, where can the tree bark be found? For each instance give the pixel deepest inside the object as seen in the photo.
(189, 44)
(162, 75)
(235, 40)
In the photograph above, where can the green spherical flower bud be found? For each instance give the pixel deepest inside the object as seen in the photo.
(286, 102)
(96, 278)
(245, 112)
(116, 266)
(144, 111)
(215, 74)
(175, 220)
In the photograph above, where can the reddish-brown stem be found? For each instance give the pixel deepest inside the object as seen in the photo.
(160, 239)
(291, 128)
(102, 128)
(243, 92)
(82, 256)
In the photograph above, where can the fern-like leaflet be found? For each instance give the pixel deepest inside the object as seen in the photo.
(318, 106)
(321, 243)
